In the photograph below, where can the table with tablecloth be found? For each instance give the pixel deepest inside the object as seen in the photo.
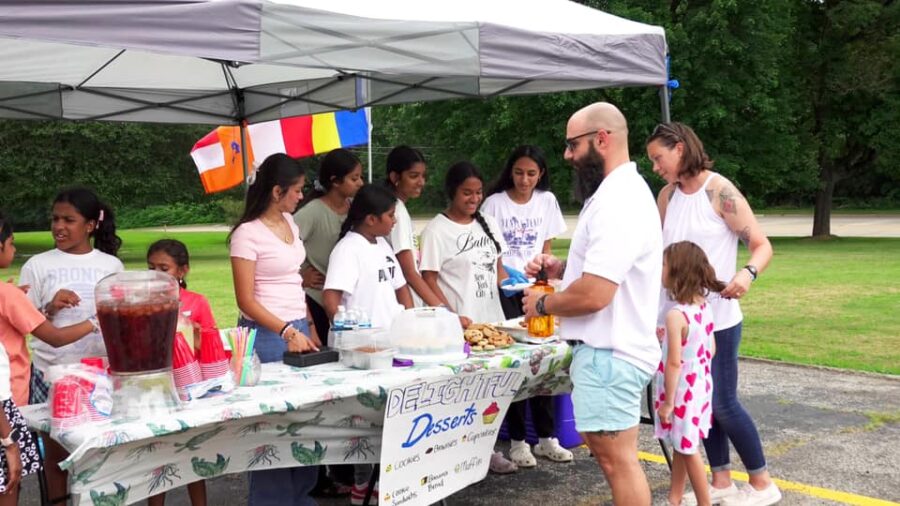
(327, 414)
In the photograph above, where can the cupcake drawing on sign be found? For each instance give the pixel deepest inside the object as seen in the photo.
(490, 414)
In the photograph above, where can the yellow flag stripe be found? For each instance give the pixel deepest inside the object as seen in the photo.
(325, 135)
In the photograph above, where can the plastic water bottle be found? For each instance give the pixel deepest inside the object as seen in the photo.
(351, 321)
(340, 319)
(364, 321)
(335, 333)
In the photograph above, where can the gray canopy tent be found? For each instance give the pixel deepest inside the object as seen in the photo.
(247, 61)
(236, 61)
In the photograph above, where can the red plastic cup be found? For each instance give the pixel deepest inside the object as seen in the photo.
(94, 362)
(67, 397)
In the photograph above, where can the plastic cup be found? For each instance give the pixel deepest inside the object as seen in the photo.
(67, 398)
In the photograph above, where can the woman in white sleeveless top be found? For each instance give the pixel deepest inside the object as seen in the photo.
(703, 207)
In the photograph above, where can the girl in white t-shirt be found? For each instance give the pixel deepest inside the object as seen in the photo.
(363, 272)
(530, 218)
(521, 202)
(462, 251)
(462, 259)
(406, 177)
(62, 284)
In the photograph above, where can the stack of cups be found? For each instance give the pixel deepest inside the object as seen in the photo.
(67, 409)
(213, 360)
(185, 369)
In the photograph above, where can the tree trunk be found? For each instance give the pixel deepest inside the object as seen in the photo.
(822, 214)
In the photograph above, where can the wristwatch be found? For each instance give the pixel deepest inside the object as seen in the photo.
(539, 305)
(11, 439)
(753, 272)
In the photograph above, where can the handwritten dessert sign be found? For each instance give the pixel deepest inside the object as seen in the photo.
(439, 434)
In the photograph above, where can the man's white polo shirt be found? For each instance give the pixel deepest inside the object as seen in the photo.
(619, 237)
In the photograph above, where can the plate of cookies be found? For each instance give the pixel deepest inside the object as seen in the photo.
(487, 337)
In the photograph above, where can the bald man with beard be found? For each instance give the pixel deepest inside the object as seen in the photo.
(608, 295)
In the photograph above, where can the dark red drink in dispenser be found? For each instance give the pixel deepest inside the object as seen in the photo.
(138, 313)
(135, 335)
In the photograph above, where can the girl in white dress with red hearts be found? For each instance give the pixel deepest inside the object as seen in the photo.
(683, 381)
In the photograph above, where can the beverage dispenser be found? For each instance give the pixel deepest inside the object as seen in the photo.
(138, 313)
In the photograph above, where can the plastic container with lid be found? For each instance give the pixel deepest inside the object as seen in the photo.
(365, 348)
(428, 334)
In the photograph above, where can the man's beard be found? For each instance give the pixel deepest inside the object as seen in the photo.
(588, 174)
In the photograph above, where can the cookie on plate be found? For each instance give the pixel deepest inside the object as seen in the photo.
(473, 335)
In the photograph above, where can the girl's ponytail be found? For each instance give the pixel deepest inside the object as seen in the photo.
(481, 221)
(105, 238)
(709, 281)
(346, 226)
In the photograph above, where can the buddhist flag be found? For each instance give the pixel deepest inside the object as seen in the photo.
(309, 135)
(219, 160)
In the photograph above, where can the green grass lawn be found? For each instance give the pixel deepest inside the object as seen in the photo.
(833, 303)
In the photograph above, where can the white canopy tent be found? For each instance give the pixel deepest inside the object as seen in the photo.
(230, 61)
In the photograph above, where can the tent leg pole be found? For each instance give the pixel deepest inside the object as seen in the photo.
(244, 150)
(369, 130)
(664, 103)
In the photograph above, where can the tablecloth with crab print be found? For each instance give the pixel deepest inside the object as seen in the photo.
(326, 414)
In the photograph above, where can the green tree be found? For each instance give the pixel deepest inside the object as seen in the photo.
(847, 62)
(131, 166)
(732, 59)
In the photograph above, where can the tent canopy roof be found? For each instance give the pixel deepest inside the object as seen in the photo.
(222, 61)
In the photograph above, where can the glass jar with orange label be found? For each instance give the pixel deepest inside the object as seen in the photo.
(541, 326)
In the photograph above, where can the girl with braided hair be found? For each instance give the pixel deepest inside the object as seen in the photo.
(462, 259)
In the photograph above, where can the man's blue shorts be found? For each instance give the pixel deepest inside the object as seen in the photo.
(606, 392)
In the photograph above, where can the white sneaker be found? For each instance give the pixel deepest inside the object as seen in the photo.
(550, 448)
(716, 495)
(749, 496)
